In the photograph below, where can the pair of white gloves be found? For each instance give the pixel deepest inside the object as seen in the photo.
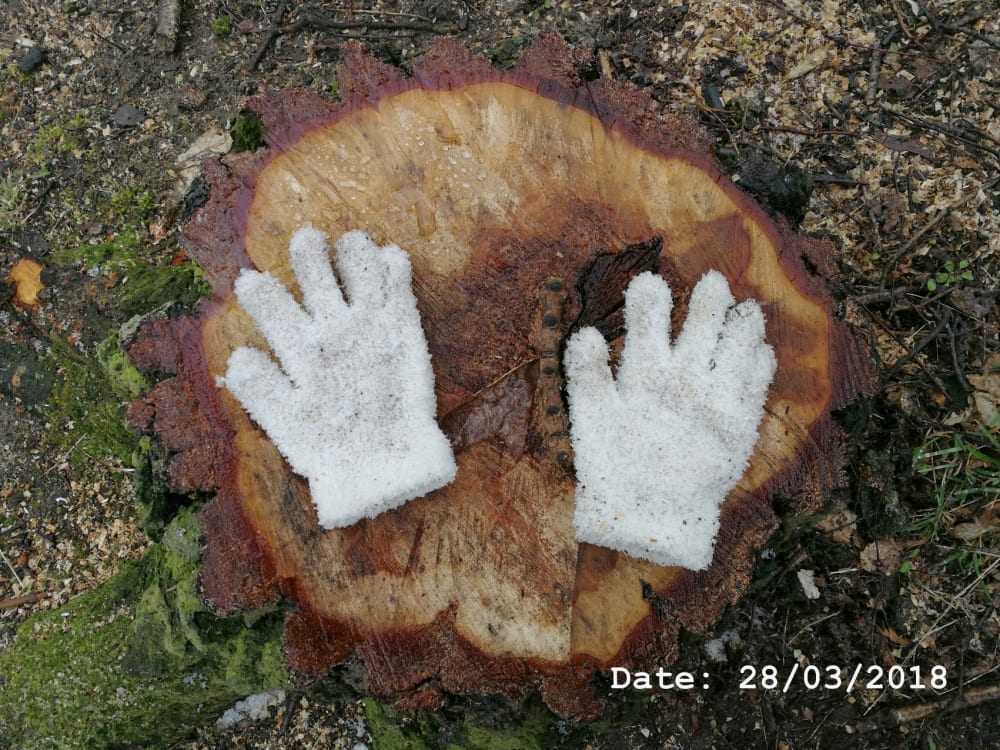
(352, 405)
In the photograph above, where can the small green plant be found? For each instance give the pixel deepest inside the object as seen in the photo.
(222, 26)
(963, 468)
(248, 132)
(952, 273)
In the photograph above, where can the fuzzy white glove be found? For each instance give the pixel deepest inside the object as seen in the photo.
(659, 447)
(352, 405)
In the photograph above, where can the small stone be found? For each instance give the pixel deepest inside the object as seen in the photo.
(32, 60)
(127, 116)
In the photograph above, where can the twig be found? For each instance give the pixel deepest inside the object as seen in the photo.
(65, 456)
(325, 24)
(962, 548)
(951, 605)
(272, 34)
(966, 386)
(931, 16)
(896, 717)
(396, 13)
(990, 40)
(941, 214)
(876, 63)
(875, 232)
(805, 131)
(882, 296)
(917, 348)
(958, 134)
(809, 626)
(836, 179)
(20, 601)
(16, 576)
(899, 19)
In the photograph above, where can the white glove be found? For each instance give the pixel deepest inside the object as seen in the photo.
(659, 447)
(352, 406)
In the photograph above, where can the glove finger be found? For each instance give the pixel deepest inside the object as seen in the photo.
(646, 355)
(744, 365)
(742, 333)
(373, 275)
(752, 364)
(311, 263)
(265, 392)
(647, 315)
(589, 383)
(276, 313)
(706, 318)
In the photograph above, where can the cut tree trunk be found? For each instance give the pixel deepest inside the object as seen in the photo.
(526, 200)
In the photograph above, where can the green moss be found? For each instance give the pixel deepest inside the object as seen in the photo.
(182, 537)
(386, 731)
(53, 140)
(494, 725)
(85, 410)
(153, 498)
(153, 284)
(247, 132)
(49, 143)
(13, 202)
(520, 738)
(86, 418)
(124, 379)
(505, 55)
(222, 26)
(138, 660)
(148, 282)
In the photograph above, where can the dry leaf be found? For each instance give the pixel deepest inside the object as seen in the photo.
(882, 555)
(840, 525)
(895, 637)
(809, 63)
(968, 532)
(986, 398)
(26, 275)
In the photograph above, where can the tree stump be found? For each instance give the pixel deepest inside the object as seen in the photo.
(527, 201)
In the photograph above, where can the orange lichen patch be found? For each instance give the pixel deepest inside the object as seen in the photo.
(26, 276)
(500, 186)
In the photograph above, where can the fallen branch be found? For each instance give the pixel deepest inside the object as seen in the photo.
(325, 24)
(317, 23)
(20, 601)
(272, 34)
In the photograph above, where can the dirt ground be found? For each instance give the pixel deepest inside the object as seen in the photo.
(872, 124)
